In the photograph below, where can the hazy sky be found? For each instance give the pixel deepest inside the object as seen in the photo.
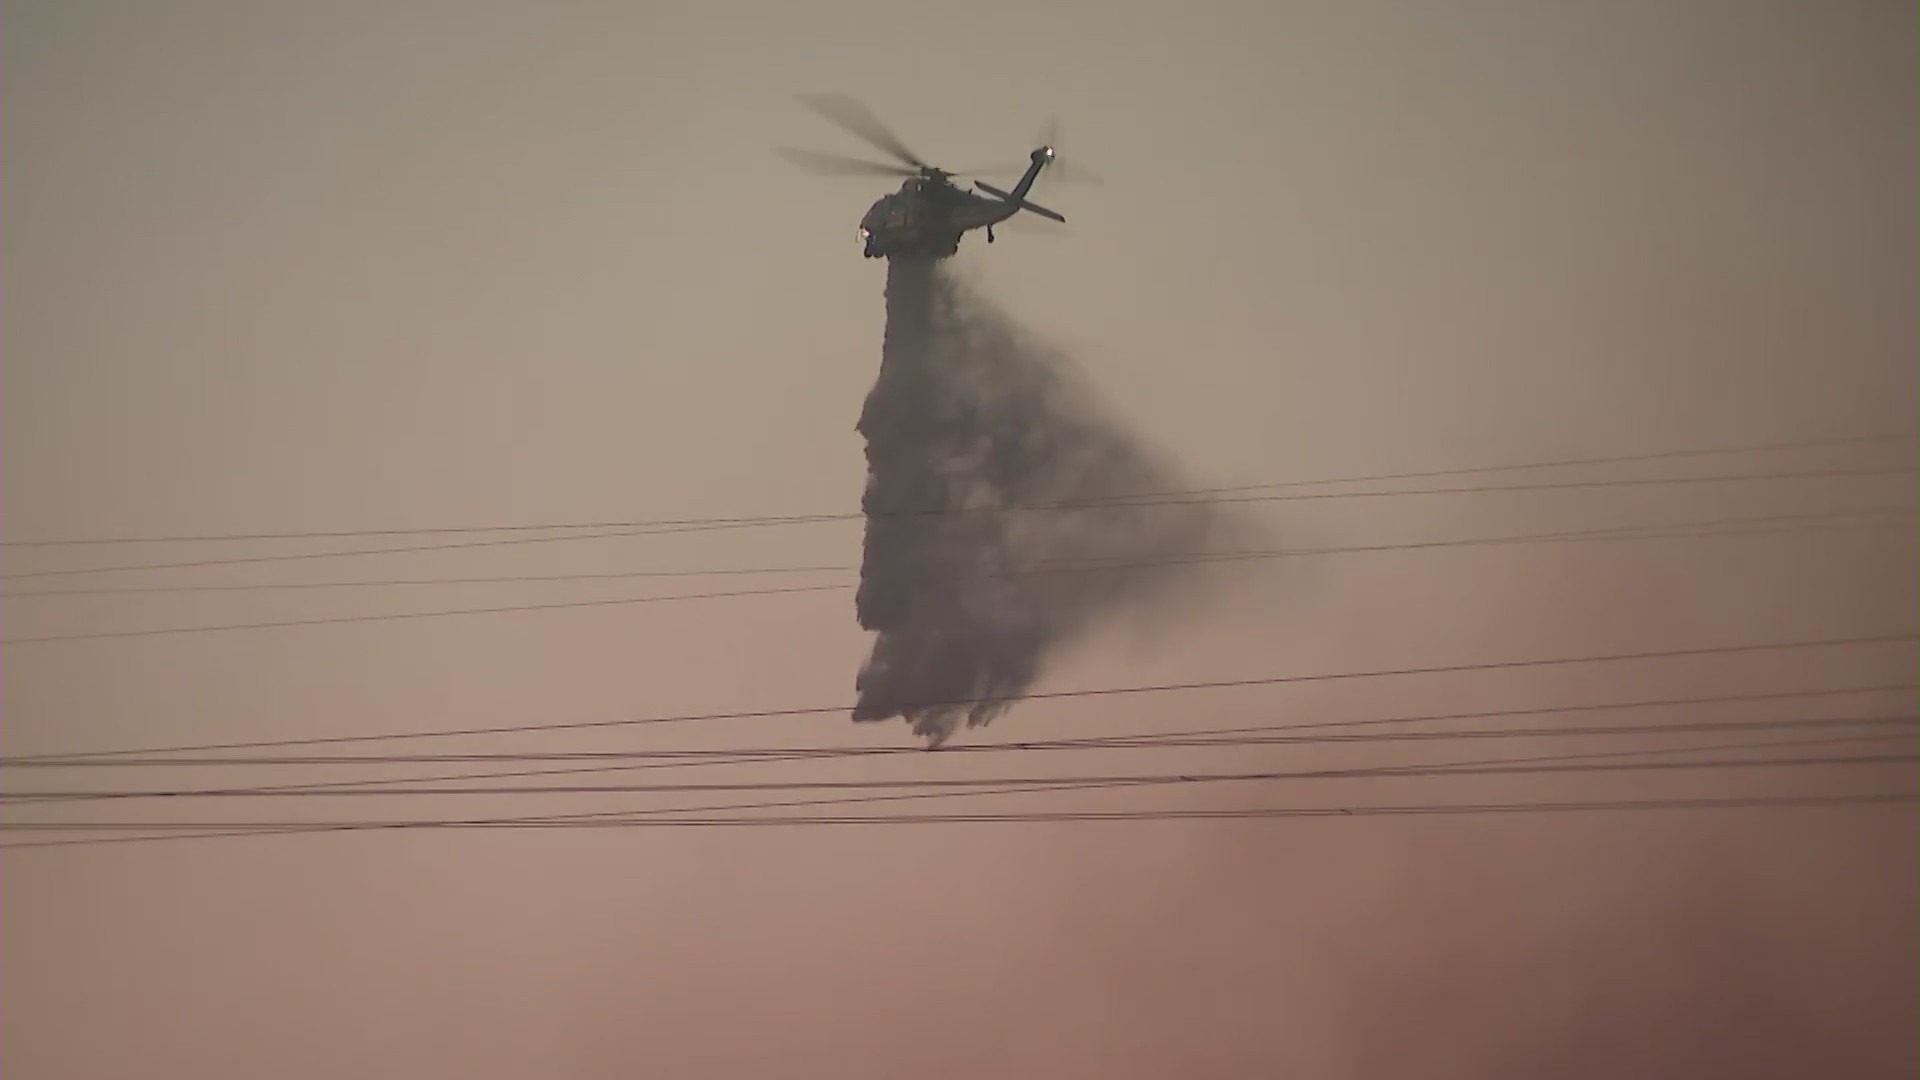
(309, 267)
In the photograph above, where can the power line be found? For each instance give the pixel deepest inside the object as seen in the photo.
(1064, 567)
(461, 545)
(1243, 814)
(496, 579)
(102, 756)
(1172, 740)
(1800, 444)
(1061, 786)
(342, 620)
(1132, 503)
(1749, 802)
(1079, 785)
(695, 787)
(1247, 736)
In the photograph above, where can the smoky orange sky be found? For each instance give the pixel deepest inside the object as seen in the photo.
(278, 267)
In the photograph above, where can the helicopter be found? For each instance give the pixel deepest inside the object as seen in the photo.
(926, 218)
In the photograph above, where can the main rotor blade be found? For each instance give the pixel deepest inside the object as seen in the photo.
(861, 122)
(1004, 168)
(1058, 171)
(839, 165)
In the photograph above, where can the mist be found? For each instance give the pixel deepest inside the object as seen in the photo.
(969, 596)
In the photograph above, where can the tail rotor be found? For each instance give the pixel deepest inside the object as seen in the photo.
(1060, 167)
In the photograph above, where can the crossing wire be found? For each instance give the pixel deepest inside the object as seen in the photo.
(1649, 530)
(1126, 503)
(1798, 444)
(1082, 567)
(1175, 740)
(1083, 785)
(102, 756)
(1745, 802)
(686, 787)
(1362, 479)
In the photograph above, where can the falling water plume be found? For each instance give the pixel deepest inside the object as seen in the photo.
(969, 595)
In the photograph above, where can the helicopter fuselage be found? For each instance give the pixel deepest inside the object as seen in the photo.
(928, 215)
(926, 218)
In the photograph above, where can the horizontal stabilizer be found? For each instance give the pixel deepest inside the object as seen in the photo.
(1042, 211)
(1019, 202)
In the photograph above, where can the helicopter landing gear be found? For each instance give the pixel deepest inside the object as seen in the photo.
(989, 234)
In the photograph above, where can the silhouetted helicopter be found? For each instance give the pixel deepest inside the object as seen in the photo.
(928, 215)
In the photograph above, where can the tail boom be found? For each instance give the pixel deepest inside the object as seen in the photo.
(1018, 198)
